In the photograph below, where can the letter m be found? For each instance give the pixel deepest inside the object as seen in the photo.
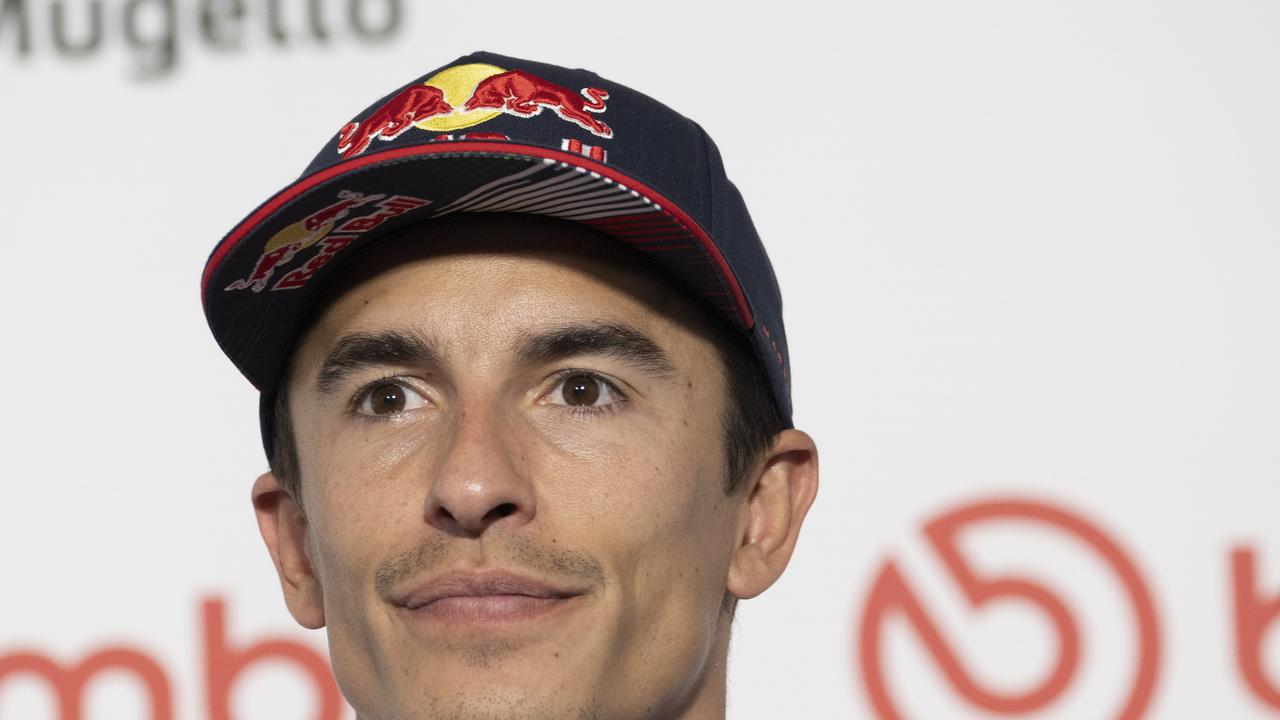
(68, 683)
(18, 9)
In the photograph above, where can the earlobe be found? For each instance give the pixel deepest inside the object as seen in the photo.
(778, 500)
(285, 531)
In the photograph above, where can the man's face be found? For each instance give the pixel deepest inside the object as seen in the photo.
(512, 473)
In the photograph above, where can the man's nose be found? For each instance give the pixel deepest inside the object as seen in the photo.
(481, 480)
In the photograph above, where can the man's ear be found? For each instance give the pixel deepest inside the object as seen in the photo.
(284, 529)
(778, 497)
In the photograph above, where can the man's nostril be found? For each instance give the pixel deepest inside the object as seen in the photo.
(500, 511)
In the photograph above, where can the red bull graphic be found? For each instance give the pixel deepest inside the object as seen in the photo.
(348, 201)
(524, 95)
(393, 118)
(321, 228)
(286, 244)
(466, 95)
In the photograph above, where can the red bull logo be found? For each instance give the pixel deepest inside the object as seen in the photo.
(466, 95)
(525, 95)
(392, 119)
(330, 229)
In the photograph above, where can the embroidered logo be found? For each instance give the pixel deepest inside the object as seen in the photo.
(465, 95)
(330, 230)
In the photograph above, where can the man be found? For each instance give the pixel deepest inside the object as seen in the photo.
(525, 397)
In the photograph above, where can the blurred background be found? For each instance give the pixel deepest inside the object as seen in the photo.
(1029, 253)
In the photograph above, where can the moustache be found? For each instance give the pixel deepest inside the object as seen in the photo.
(521, 552)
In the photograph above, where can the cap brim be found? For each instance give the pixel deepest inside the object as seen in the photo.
(260, 280)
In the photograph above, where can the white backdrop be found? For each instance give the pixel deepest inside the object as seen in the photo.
(1029, 256)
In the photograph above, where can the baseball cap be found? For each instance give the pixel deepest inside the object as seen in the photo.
(494, 134)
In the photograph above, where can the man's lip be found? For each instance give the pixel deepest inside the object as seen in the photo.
(479, 584)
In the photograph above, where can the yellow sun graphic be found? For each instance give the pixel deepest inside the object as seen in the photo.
(295, 233)
(458, 82)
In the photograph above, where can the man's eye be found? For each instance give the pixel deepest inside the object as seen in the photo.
(585, 390)
(389, 398)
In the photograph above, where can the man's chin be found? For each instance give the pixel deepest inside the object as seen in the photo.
(483, 697)
(493, 676)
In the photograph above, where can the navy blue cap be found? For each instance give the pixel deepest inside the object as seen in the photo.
(488, 133)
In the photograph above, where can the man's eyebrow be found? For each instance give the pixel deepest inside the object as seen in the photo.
(360, 350)
(612, 339)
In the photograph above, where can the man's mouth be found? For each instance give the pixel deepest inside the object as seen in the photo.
(483, 597)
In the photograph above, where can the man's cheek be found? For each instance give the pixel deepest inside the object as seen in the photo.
(336, 561)
(627, 490)
(350, 534)
(601, 440)
(360, 483)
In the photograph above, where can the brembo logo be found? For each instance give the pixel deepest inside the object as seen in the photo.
(158, 32)
(892, 595)
(227, 663)
(1113, 663)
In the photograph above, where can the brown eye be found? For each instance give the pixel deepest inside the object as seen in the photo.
(389, 398)
(586, 392)
(581, 390)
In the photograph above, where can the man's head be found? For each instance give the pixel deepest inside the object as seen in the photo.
(522, 409)
(526, 395)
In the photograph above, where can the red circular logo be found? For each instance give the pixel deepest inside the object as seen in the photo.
(891, 594)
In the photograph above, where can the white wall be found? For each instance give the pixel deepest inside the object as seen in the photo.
(1029, 254)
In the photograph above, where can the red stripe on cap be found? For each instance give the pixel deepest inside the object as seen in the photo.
(452, 148)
